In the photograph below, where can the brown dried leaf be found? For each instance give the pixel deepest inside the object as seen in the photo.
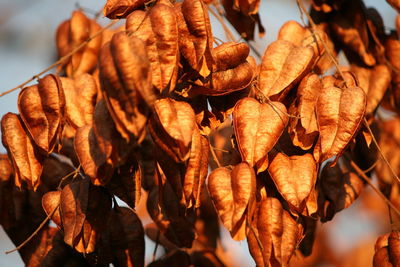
(172, 127)
(158, 30)
(243, 23)
(247, 7)
(117, 9)
(283, 65)
(195, 35)
(294, 177)
(257, 129)
(80, 99)
(42, 109)
(126, 183)
(339, 114)
(231, 192)
(338, 189)
(83, 208)
(72, 33)
(126, 237)
(26, 160)
(350, 27)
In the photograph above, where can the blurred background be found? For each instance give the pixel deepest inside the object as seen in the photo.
(27, 30)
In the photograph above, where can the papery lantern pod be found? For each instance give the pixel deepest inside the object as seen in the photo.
(232, 71)
(195, 35)
(327, 6)
(42, 109)
(224, 82)
(93, 156)
(51, 205)
(257, 129)
(278, 232)
(232, 192)
(338, 188)
(172, 126)
(72, 33)
(230, 55)
(126, 182)
(339, 115)
(303, 128)
(158, 29)
(294, 177)
(283, 65)
(80, 99)
(243, 23)
(247, 7)
(83, 208)
(23, 153)
(196, 169)
(117, 9)
(295, 33)
(125, 76)
(387, 252)
(395, 4)
(126, 235)
(374, 81)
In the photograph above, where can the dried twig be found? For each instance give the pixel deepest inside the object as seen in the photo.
(61, 60)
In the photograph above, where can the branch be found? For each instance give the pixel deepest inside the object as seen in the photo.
(35, 232)
(61, 60)
(368, 181)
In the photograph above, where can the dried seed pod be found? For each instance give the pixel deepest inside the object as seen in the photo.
(23, 153)
(72, 33)
(283, 65)
(42, 110)
(126, 82)
(195, 35)
(231, 192)
(257, 129)
(80, 99)
(117, 9)
(172, 127)
(158, 30)
(294, 177)
(339, 114)
(338, 189)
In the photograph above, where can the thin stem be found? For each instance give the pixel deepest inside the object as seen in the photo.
(61, 60)
(313, 29)
(380, 151)
(156, 247)
(366, 179)
(214, 156)
(35, 232)
(228, 33)
(219, 16)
